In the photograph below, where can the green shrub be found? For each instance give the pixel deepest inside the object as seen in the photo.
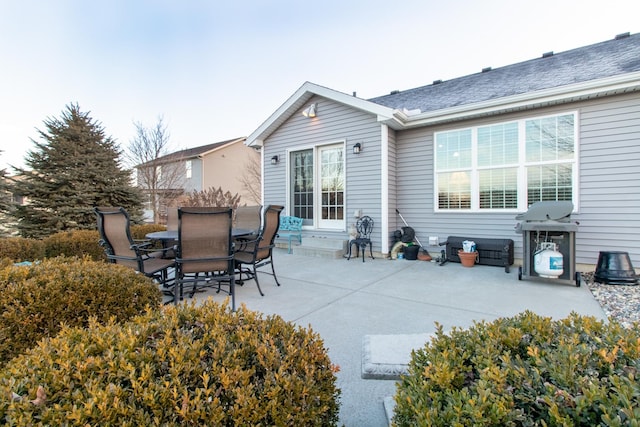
(524, 371)
(20, 249)
(36, 299)
(76, 243)
(183, 365)
(139, 232)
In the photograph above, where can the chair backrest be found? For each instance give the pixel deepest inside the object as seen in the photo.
(270, 226)
(364, 227)
(172, 219)
(115, 234)
(205, 242)
(248, 217)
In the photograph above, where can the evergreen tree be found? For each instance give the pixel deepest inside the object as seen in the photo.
(5, 191)
(74, 169)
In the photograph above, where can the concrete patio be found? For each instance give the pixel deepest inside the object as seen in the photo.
(345, 300)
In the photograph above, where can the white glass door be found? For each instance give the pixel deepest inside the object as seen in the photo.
(331, 182)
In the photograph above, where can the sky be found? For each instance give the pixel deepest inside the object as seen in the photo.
(216, 70)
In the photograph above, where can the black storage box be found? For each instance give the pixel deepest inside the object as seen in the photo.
(498, 252)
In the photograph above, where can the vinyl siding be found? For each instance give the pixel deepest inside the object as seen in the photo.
(610, 178)
(334, 123)
(607, 209)
(609, 167)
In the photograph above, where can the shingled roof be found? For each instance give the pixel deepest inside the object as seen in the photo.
(191, 153)
(606, 59)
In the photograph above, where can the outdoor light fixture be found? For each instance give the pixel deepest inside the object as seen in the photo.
(357, 148)
(310, 111)
(275, 160)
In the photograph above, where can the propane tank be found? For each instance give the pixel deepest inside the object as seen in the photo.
(548, 262)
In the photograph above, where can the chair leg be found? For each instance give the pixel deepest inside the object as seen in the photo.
(289, 244)
(273, 270)
(351, 243)
(232, 291)
(255, 277)
(371, 250)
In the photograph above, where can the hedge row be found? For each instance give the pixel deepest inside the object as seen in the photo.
(38, 299)
(78, 243)
(525, 371)
(182, 365)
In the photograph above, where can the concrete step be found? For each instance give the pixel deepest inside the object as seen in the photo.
(321, 247)
(318, 252)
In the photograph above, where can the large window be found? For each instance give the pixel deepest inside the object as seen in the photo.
(506, 166)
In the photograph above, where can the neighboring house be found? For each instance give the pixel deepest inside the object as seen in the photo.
(463, 157)
(218, 165)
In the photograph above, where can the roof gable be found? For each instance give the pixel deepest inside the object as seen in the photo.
(302, 96)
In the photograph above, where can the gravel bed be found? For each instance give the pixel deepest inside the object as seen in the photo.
(619, 302)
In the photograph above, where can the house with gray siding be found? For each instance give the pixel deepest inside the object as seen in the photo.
(463, 157)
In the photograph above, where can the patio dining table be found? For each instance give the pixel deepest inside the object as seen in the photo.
(171, 235)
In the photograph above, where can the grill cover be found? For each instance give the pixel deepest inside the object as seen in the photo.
(547, 216)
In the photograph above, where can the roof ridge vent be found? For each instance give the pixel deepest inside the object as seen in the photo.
(486, 69)
(437, 82)
(394, 92)
(547, 54)
(623, 36)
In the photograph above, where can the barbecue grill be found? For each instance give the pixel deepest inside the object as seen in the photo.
(549, 243)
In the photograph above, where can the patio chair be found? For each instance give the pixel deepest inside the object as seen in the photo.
(205, 247)
(172, 219)
(248, 218)
(364, 227)
(259, 252)
(114, 227)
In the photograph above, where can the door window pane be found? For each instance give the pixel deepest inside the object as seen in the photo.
(302, 184)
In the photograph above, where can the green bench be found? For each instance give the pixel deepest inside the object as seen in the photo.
(290, 228)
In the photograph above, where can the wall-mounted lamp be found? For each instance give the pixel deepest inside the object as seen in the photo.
(310, 111)
(357, 148)
(275, 160)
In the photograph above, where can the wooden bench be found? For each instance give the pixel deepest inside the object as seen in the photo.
(292, 228)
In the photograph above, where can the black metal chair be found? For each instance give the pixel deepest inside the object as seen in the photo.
(248, 218)
(259, 252)
(205, 246)
(114, 227)
(364, 227)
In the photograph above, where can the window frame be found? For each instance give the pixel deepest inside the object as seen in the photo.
(522, 165)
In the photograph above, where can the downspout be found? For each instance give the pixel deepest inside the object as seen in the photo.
(384, 193)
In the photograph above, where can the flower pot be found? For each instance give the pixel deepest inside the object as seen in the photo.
(467, 259)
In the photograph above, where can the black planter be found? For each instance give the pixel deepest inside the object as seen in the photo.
(411, 252)
(614, 268)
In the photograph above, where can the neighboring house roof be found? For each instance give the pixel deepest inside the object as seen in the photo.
(192, 153)
(600, 69)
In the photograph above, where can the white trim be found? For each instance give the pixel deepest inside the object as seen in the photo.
(301, 96)
(384, 194)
